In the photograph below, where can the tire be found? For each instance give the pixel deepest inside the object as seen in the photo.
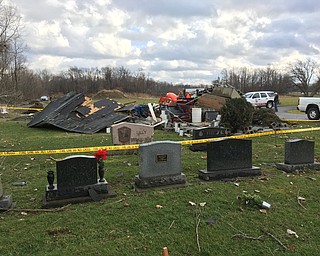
(313, 113)
(269, 104)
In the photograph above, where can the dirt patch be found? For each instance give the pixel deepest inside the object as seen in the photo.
(111, 94)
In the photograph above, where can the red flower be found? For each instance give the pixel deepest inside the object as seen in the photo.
(101, 154)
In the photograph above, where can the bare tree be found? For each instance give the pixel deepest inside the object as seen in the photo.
(302, 73)
(11, 49)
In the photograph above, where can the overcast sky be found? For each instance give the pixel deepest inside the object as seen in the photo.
(187, 41)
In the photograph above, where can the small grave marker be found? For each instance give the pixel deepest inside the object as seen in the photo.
(299, 155)
(5, 200)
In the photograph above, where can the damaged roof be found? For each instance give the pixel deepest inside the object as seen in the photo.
(75, 112)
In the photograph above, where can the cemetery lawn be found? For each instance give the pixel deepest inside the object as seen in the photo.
(143, 223)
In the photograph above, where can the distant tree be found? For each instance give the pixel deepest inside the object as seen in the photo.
(11, 50)
(302, 73)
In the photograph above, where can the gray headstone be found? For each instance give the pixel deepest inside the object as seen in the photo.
(160, 164)
(75, 171)
(299, 151)
(229, 158)
(131, 133)
(5, 200)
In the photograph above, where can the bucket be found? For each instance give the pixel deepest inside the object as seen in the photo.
(196, 115)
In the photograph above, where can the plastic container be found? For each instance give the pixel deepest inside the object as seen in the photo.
(196, 115)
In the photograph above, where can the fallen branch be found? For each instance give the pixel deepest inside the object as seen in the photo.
(171, 224)
(35, 210)
(299, 201)
(248, 237)
(278, 241)
(197, 231)
(119, 201)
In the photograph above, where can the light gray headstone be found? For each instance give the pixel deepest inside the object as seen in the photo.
(131, 133)
(160, 159)
(160, 164)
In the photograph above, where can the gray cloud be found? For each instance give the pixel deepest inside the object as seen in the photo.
(173, 40)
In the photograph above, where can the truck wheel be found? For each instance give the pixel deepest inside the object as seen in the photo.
(313, 113)
(269, 104)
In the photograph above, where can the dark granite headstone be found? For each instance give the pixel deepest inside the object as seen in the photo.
(210, 115)
(74, 172)
(160, 165)
(206, 133)
(299, 155)
(77, 181)
(299, 151)
(229, 158)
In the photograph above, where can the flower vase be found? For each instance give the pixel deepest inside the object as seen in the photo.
(101, 173)
(50, 178)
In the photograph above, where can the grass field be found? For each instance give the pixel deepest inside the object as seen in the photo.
(131, 224)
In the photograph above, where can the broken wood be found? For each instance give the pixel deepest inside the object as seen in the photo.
(298, 199)
(276, 239)
(248, 237)
(35, 210)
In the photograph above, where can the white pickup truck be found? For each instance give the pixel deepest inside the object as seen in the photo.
(310, 106)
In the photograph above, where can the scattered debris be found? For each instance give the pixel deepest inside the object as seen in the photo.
(58, 231)
(292, 233)
(192, 203)
(275, 238)
(19, 183)
(301, 200)
(171, 224)
(211, 220)
(158, 206)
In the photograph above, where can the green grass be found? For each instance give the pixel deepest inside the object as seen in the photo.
(288, 100)
(110, 227)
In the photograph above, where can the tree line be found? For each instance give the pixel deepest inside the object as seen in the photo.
(17, 81)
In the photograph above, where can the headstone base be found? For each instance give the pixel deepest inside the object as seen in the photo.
(94, 192)
(6, 202)
(228, 174)
(161, 181)
(295, 167)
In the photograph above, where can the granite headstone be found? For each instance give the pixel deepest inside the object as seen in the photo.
(131, 133)
(229, 158)
(206, 133)
(299, 154)
(5, 200)
(160, 165)
(77, 181)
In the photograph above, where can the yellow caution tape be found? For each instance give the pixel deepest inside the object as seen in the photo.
(136, 146)
(18, 108)
(298, 121)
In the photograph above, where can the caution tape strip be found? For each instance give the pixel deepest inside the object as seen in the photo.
(136, 146)
(18, 108)
(298, 120)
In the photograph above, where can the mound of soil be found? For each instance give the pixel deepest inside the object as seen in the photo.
(112, 94)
